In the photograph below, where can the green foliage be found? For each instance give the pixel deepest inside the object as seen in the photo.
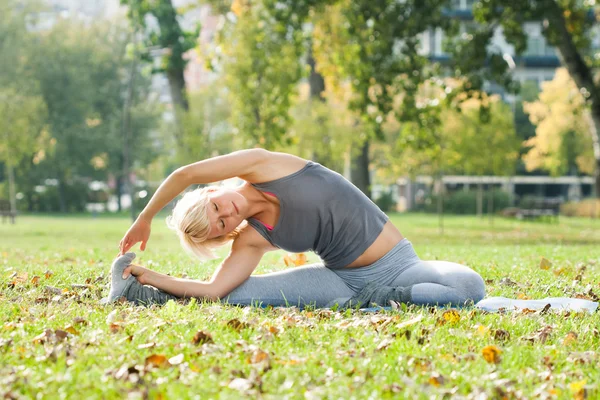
(21, 126)
(465, 202)
(260, 63)
(49, 200)
(386, 201)
(167, 35)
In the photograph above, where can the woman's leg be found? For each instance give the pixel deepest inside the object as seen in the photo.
(441, 282)
(307, 285)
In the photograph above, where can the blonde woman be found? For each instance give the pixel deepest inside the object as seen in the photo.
(293, 204)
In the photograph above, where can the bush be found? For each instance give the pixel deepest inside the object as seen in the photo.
(386, 202)
(585, 208)
(465, 202)
(76, 196)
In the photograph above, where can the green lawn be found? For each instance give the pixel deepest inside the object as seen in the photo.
(63, 344)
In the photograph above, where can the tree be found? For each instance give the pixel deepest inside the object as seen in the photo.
(562, 143)
(79, 71)
(168, 36)
(375, 47)
(21, 131)
(567, 25)
(261, 68)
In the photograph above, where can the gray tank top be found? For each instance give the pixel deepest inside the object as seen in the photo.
(321, 211)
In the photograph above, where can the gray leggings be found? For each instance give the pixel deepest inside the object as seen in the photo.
(429, 282)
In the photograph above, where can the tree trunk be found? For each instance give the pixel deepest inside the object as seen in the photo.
(177, 88)
(127, 135)
(491, 204)
(582, 74)
(321, 151)
(480, 199)
(440, 203)
(359, 172)
(62, 195)
(119, 181)
(12, 196)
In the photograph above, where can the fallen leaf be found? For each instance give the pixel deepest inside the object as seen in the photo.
(436, 379)
(482, 330)
(35, 280)
(53, 290)
(578, 389)
(176, 360)
(409, 322)
(237, 325)
(570, 338)
(491, 354)
(294, 261)
(43, 337)
(48, 274)
(545, 264)
(384, 344)
(523, 296)
(540, 335)
(501, 335)
(240, 384)
(258, 356)
(452, 316)
(146, 345)
(156, 360)
(80, 321)
(115, 327)
(60, 334)
(72, 330)
(202, 337)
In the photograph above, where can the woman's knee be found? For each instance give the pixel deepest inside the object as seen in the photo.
(472, 287)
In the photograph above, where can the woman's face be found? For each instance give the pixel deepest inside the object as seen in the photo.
(226, 210)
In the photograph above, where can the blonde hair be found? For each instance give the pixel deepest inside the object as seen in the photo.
(190, 221)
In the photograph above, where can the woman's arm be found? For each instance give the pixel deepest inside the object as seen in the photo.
(235, 269)
(244, 163)
(241, 163)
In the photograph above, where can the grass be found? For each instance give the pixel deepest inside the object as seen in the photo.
(66, 345)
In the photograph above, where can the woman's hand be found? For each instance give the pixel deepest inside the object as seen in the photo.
(139, 232)
(142, 274)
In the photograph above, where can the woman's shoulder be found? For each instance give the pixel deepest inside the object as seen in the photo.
(276, 166)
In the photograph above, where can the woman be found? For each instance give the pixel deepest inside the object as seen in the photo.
(292, 204)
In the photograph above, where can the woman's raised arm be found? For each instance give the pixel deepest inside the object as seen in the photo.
(243, 164)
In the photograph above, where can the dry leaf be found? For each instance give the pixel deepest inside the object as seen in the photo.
(409, 322)
(451, 316)
(115, 327)
(578, 389)
(384, 344)
(176, 360)
(237, 325)
(48, 274)
(146, 345)
(545, 264)
(202, 337)
(72, 330)
(156, 360)
(570, 338)
(436, 379)
(240, 384)
(35, 280)
(60, 334)
(491, 354)
(523, 296)
(258, 356)
(294, 261)
(501, 335)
